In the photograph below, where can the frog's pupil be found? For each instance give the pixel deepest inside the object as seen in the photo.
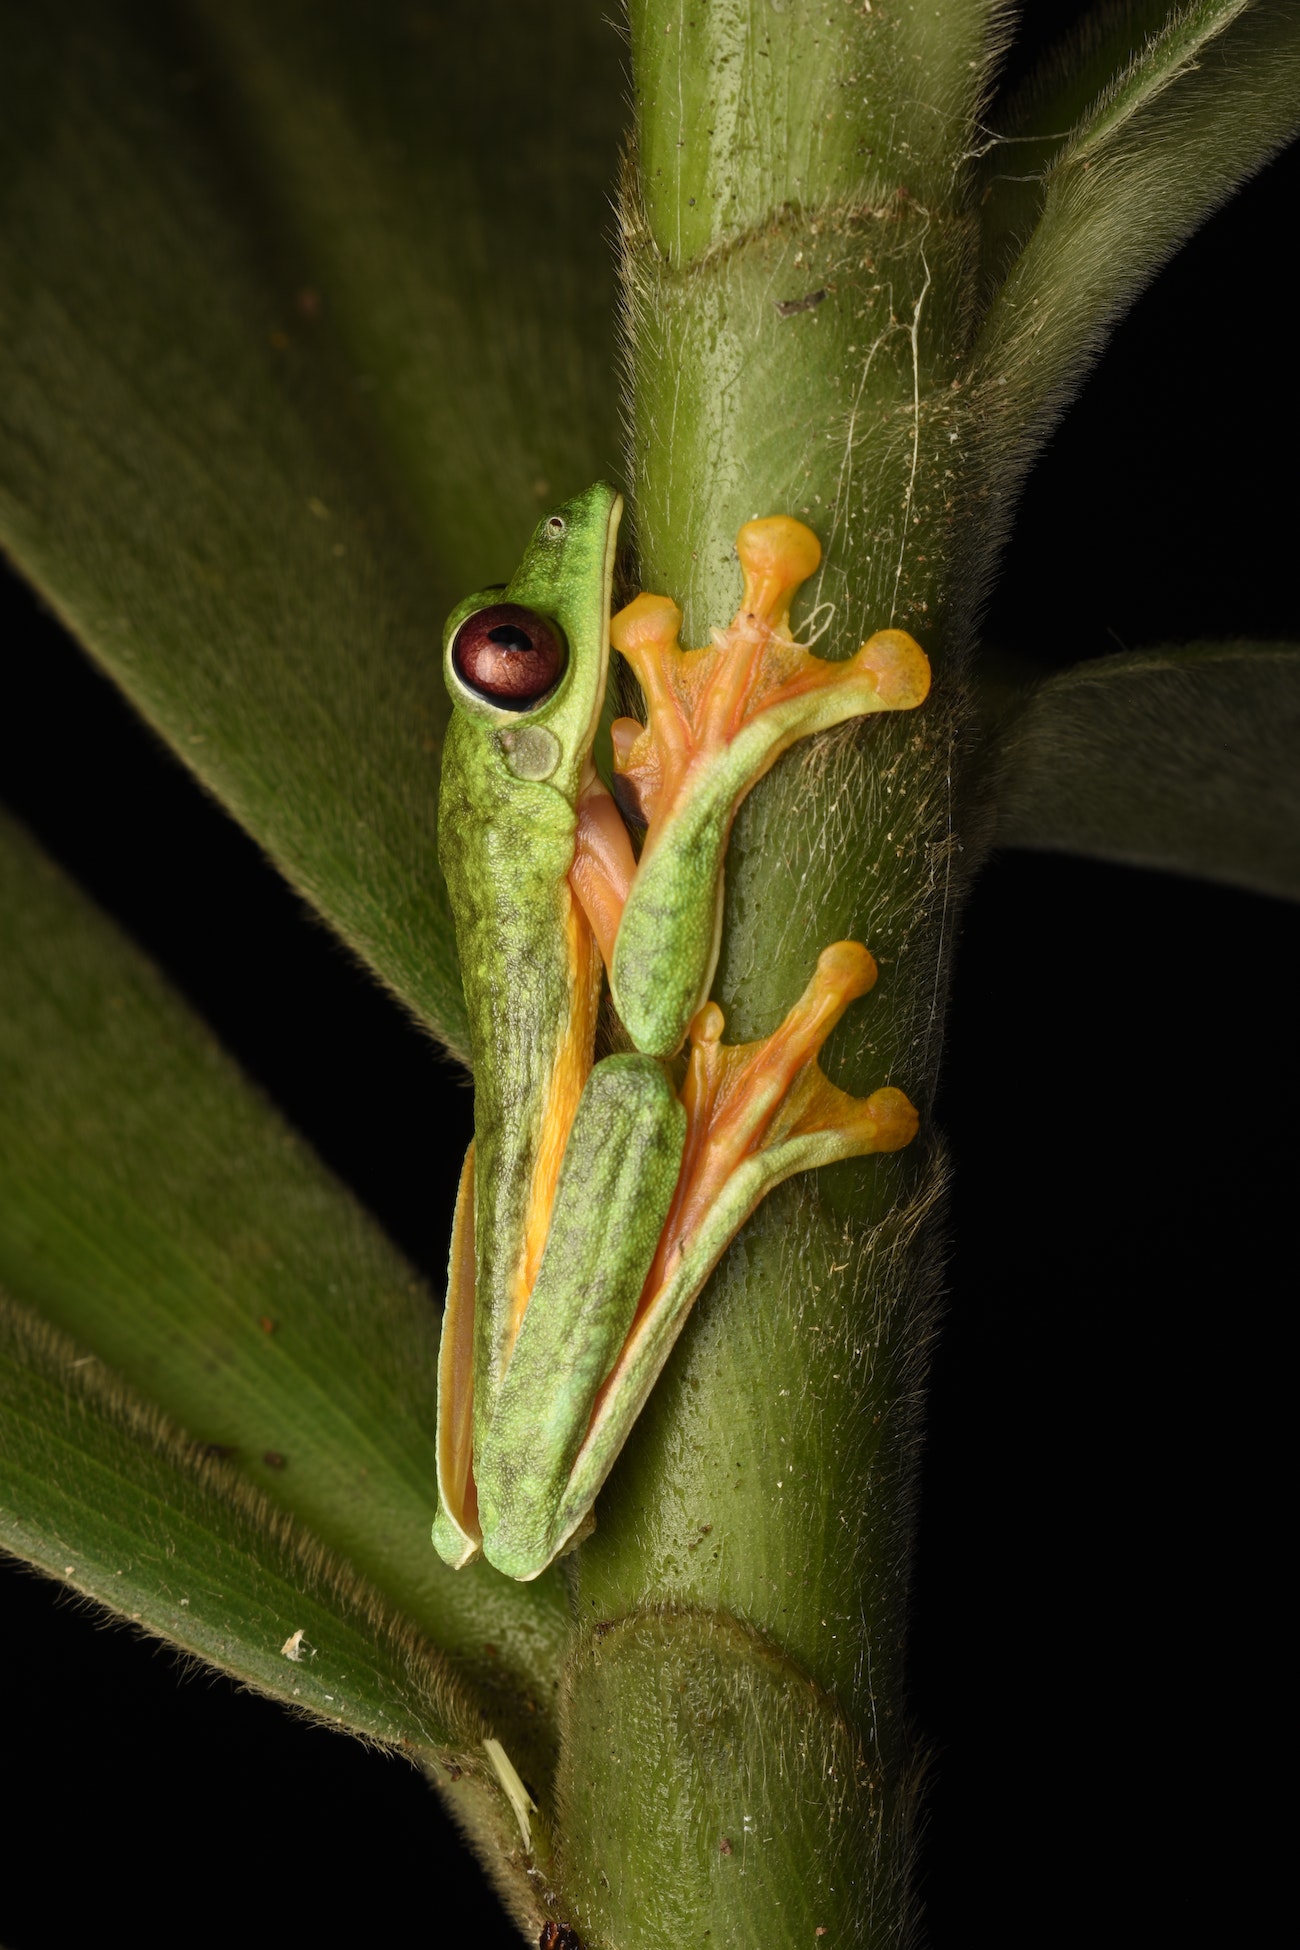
(510, 637)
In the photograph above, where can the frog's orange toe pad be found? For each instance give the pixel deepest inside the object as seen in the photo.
(777, 554)
(646, 623)
(895, 1117)
(900, 667)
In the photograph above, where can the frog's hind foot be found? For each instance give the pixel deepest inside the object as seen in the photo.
(758, 1112)
(755, 1114)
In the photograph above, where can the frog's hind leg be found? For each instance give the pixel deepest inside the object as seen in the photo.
(457, 1537)
(617, 1179)
(756, 1114)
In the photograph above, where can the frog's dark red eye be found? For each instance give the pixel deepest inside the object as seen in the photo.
(509, 655)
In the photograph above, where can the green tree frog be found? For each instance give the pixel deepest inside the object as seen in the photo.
(596, 1197)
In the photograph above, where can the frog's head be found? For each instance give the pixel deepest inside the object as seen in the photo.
(526, 663)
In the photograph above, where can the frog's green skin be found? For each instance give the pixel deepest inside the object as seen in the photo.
(542, 1372)
(531, 981)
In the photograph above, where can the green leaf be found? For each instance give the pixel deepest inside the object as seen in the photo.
(104, 1495)
(154, 1207)
(223, 263)
(1196, 111)
(446, 174)
(1186, 759)
(1117, 58)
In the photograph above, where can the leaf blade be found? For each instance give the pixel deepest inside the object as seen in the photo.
(458, 269)
(155, 1208)
(194, 467)
(92, 1475)
(1186, 760)
(103, 1495)
(1116, 58)
(225, 546)
(1199, 111)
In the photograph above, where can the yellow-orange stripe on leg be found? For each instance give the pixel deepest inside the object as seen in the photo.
(568, 1079)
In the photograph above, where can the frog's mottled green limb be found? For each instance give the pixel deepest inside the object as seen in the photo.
(718, 719)
(620, 1169)
(756, 1113)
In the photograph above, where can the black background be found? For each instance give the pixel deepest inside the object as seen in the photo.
(1091, 1658)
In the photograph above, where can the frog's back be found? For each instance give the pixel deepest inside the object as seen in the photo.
(506, 847)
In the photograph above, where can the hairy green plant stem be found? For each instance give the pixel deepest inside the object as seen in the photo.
(798, 263)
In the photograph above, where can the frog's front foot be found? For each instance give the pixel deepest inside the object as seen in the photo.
(718, 719)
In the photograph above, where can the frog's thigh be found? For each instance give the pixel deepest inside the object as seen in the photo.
(616, 1182)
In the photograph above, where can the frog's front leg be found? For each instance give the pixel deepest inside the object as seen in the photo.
(504, 1471)
(718, 719)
